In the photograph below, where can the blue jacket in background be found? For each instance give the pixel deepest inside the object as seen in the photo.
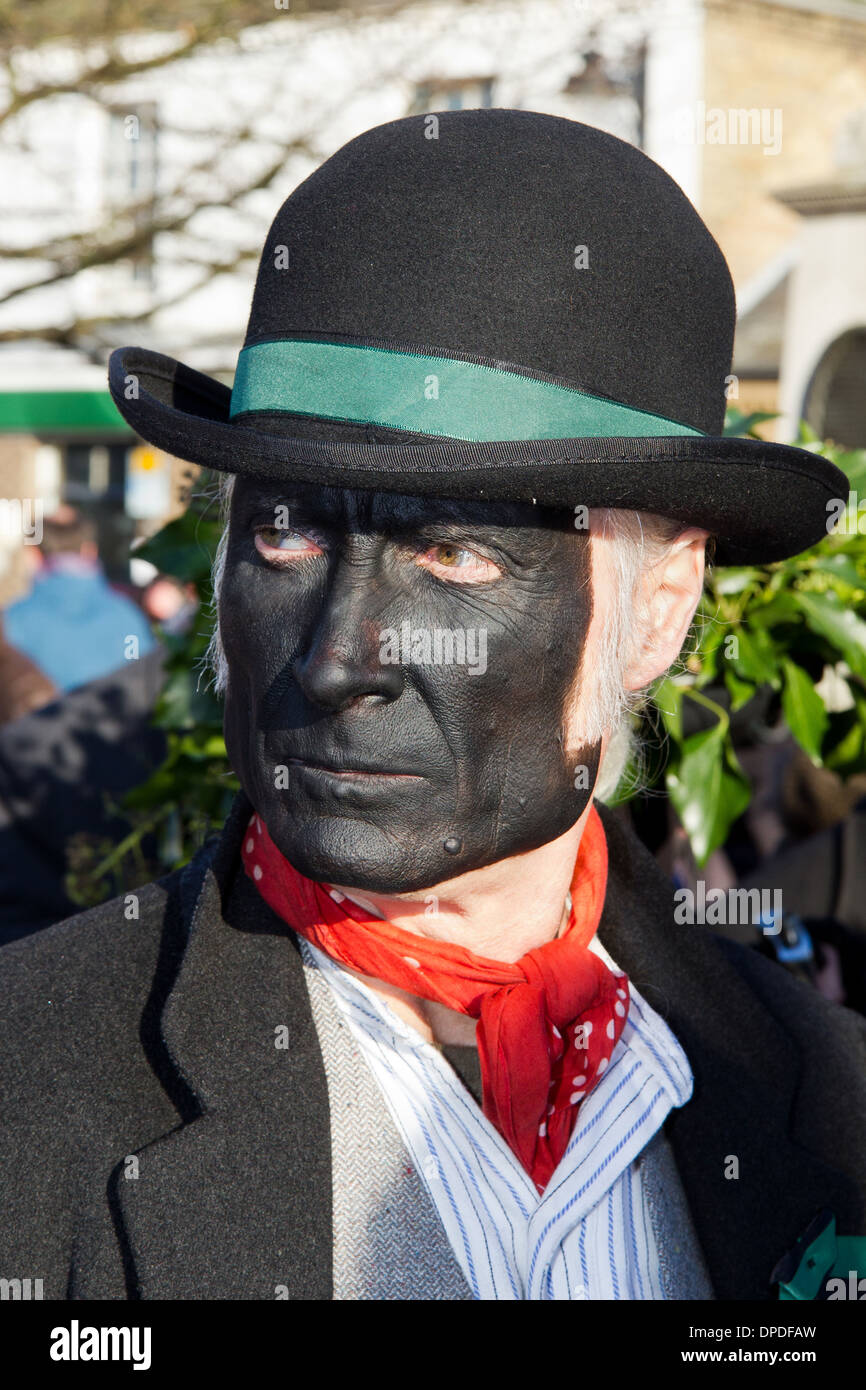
(75, 626)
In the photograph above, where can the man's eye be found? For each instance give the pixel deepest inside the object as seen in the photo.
(455, 562)
(283, 546)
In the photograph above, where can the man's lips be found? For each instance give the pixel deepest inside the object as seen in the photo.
(343, 770)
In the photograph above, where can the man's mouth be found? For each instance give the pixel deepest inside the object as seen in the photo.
(351, 772)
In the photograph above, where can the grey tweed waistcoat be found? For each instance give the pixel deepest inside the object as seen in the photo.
(388, 1240)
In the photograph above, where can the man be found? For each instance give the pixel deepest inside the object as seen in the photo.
(72, 623)
(421, 1024)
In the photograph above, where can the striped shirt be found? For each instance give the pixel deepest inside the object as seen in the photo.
(589, 1234)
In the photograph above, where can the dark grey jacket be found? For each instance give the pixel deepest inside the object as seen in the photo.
(157, 1144)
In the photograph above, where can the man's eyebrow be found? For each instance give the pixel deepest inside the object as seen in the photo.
(398, 511)
(266, 498)
(410, 521)
(402, 516)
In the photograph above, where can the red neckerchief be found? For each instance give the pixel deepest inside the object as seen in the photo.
(547, 1023)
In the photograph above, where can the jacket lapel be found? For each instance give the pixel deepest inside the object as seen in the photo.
(236, 1202)
(749, 1158)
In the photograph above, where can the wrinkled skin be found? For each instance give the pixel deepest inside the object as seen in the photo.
(482, 770)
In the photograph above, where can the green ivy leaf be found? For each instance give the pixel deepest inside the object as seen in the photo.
(781, 608)
(735, 578)
(738, 423)
(830, 618)
(708, 790)
(710, 632)
(804, 710)
(668, 699)
(846, 756)
(756, 660)
(740, 692)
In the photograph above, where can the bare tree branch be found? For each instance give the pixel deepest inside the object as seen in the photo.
(94, 35)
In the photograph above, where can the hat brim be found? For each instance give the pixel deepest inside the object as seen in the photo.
(762, 501)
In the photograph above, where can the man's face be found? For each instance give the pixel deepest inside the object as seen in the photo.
(400, 669)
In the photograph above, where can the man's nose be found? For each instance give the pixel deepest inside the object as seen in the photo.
(342, 662)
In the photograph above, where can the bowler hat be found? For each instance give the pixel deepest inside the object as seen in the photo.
(492, 304)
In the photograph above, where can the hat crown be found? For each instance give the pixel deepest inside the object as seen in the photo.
(511, 237)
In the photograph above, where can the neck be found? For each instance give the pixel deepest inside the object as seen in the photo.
(501, 912)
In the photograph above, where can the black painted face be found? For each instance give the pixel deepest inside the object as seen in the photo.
(399, 674)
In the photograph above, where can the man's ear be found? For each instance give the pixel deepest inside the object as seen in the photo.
(667, 598)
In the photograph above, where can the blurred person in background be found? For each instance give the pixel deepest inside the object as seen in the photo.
(72, 624)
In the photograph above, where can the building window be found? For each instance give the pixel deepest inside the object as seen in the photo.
(835, 404)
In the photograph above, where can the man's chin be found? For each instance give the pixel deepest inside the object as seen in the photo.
(367, 860)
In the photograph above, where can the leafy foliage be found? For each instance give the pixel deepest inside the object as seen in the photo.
(794, 630)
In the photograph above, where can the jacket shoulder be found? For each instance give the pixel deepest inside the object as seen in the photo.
(835, 1093)
(72, 960)
(81, 1085)
(76, 998)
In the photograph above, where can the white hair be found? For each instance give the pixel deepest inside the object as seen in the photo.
(638, 541)
(641, 540)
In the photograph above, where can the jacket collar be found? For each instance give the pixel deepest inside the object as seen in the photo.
(235, 1203)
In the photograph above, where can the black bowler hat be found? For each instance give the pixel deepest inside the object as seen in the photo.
(492, 304)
